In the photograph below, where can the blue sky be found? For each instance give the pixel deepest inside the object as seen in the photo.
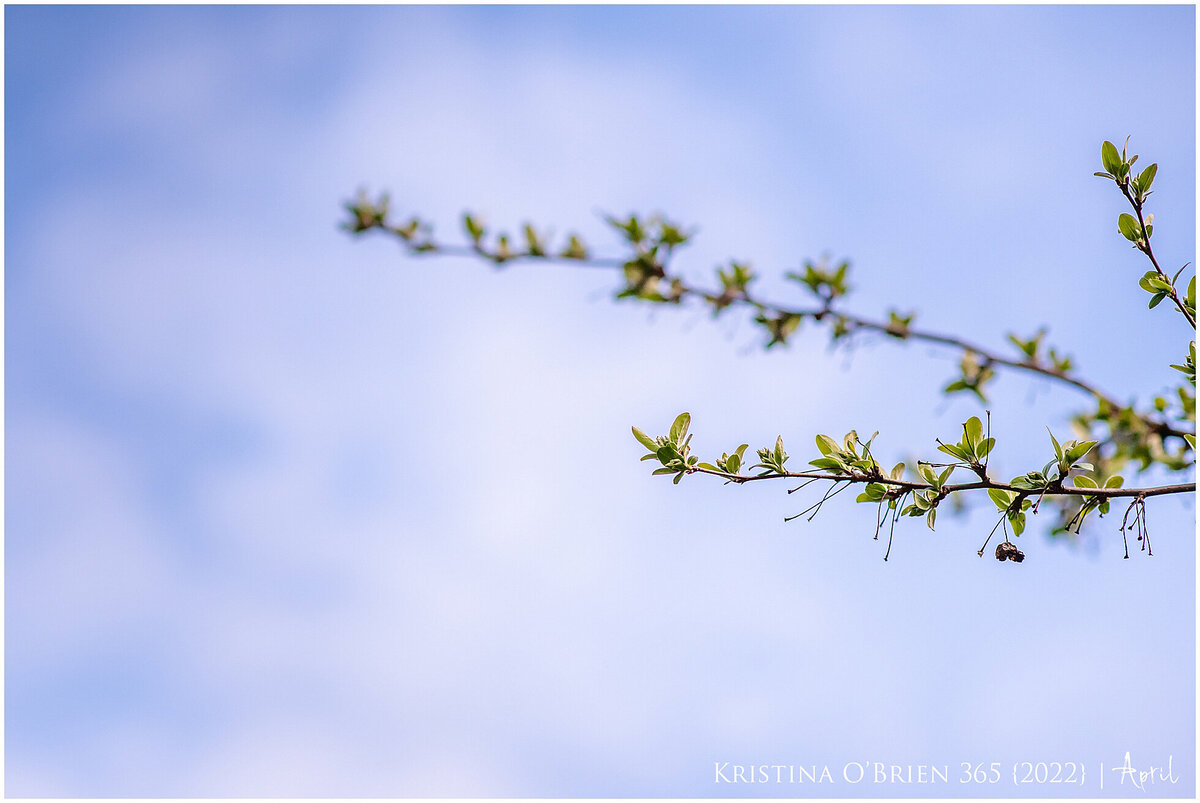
(290, 514)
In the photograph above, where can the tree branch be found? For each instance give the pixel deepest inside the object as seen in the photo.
(1131, 435)
(372, 219)
(1145, 247)
(945, 490)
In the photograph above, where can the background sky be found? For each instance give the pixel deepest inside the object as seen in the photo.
(291, 514)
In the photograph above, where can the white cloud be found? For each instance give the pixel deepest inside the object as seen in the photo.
(433, 560)
(88, 557)
(210, 316)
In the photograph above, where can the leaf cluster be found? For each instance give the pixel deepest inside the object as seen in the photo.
(671, 450)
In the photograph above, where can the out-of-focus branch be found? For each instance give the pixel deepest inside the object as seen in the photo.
(651, 272)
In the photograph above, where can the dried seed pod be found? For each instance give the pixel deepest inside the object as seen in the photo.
(1006, 550)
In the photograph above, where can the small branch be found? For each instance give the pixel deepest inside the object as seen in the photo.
(803, 485)
(826, 312)
(1149, 252)
(1061, 490)
(440, 249)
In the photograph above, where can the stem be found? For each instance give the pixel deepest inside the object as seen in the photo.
(1148, 251)
(988, 540)
(892, 529)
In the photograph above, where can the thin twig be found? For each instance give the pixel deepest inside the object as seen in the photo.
(1003, 516)
(892, 529)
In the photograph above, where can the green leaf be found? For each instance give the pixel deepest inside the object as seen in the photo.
(930, 517)
(645, 440)
(1109, 157)
(534, 242)
(1129, 227)
(1115, 481)
(829, 463)
(667, 453)
(575, 248)
(1147, 177)
(680, 427)
(664, 470)
(897, 471)
(1002, 498)
(474, 229)
(1155, 300)
(678, 477)
(873, 492)
(1058, 452)
(974, 430)
(1032, 481)
(1017, 520)
(734, 463)
(1079, 450)
(1085, 482)
(953, 451)
(1157, 282)
(708, 467)
(985, 448)
(827, 445)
